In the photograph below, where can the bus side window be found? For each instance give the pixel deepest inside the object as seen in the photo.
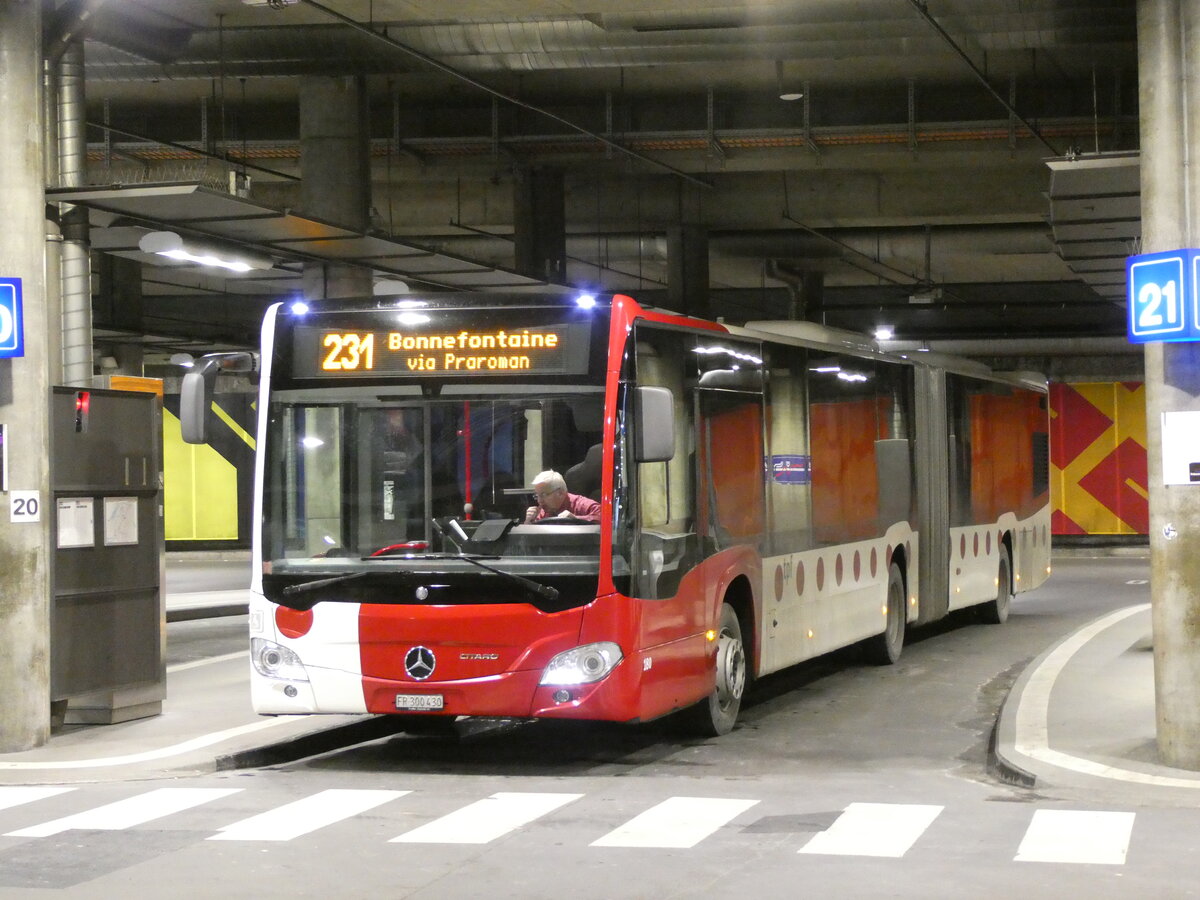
(789, 476)
(730, 463)
(844, 417)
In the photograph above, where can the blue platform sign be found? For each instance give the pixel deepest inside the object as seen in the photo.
(12, 323)
(1163, 303)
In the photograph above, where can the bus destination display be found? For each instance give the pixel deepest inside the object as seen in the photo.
(560, 349)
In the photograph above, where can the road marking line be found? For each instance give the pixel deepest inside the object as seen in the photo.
(198, 743)
(874, 829)
(16, 796)
(486, 820)
(306, 815)
(1076, 836)
(678, 822)
(207, 661)
(1031, 736)
(129, 812)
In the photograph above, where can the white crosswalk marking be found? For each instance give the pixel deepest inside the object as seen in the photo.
(294, 819)
(678, 822)
(486, 820)
(874, 829)
(129, 812)
(1076, 836)
(16, 796)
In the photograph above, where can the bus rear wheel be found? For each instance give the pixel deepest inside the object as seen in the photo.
(995, 612)
(716, 714)
(884, 649)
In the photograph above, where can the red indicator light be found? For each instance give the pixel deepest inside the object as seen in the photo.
(83, 401)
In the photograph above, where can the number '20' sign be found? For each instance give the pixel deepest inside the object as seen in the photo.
(1162, 296)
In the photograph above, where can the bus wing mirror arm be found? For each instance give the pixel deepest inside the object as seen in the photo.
(654, 440)
(196, 392)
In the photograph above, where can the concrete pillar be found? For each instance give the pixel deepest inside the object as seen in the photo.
(687, 270)
(25, 554)
(540, 224)
(335, 172)
(1169, 86)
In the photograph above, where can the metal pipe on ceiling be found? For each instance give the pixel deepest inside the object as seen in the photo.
(447, 69)
(76, 272)
(923, 12)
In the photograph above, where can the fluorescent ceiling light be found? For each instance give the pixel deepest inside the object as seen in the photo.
(203, 253)
(388, 287)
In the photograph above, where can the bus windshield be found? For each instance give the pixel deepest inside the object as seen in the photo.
(400, 483)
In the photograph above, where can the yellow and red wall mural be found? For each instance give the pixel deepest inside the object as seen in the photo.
(1098, 482)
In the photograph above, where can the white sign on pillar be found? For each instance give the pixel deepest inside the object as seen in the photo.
(25, 507)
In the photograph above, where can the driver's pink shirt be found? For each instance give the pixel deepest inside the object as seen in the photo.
(579, 506)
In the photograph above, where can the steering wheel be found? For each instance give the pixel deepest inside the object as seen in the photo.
(562, 520)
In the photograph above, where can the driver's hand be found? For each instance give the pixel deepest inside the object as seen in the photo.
(529, 514)
(565, 514)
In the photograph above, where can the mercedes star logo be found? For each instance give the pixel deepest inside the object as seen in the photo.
(419, 663)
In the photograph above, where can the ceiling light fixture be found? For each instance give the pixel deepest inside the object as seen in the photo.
(787, 93)
(389, 287)
(176, 247)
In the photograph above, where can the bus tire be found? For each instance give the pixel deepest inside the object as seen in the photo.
(995, 612)
(884, 649)
(716, 714)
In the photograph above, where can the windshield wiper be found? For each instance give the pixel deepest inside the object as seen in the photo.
(542, 590)
(308, 586)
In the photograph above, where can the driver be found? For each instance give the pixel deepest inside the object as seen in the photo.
(553, 501)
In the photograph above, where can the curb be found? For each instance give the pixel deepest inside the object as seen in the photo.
(214, 611)
(1001, 750)
(1004, 769)
(311, 744)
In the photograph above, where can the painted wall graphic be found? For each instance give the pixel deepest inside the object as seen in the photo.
(208, 487)
(1098, 482)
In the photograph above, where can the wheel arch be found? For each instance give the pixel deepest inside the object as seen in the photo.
(739, 594)
(900, 558)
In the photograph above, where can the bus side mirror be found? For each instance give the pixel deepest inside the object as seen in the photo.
(654, 414)
(196, 392)
(195, 397)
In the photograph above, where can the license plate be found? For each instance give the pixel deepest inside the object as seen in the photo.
(421, 702)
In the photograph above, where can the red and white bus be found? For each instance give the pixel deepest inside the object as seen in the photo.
(768, 493)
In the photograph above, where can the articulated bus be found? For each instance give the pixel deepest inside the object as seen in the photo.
(768, 493)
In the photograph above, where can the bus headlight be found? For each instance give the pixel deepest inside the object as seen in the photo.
(582, 665)
(274, 661)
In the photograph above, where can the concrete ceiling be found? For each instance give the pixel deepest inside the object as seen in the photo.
(914, 174)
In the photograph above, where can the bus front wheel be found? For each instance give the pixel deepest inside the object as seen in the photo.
(716, 714)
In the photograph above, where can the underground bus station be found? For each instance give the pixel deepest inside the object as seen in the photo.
(625, 449)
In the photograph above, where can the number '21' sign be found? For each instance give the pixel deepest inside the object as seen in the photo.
(1162, 296)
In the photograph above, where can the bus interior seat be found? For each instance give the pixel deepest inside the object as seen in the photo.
(584, 477)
